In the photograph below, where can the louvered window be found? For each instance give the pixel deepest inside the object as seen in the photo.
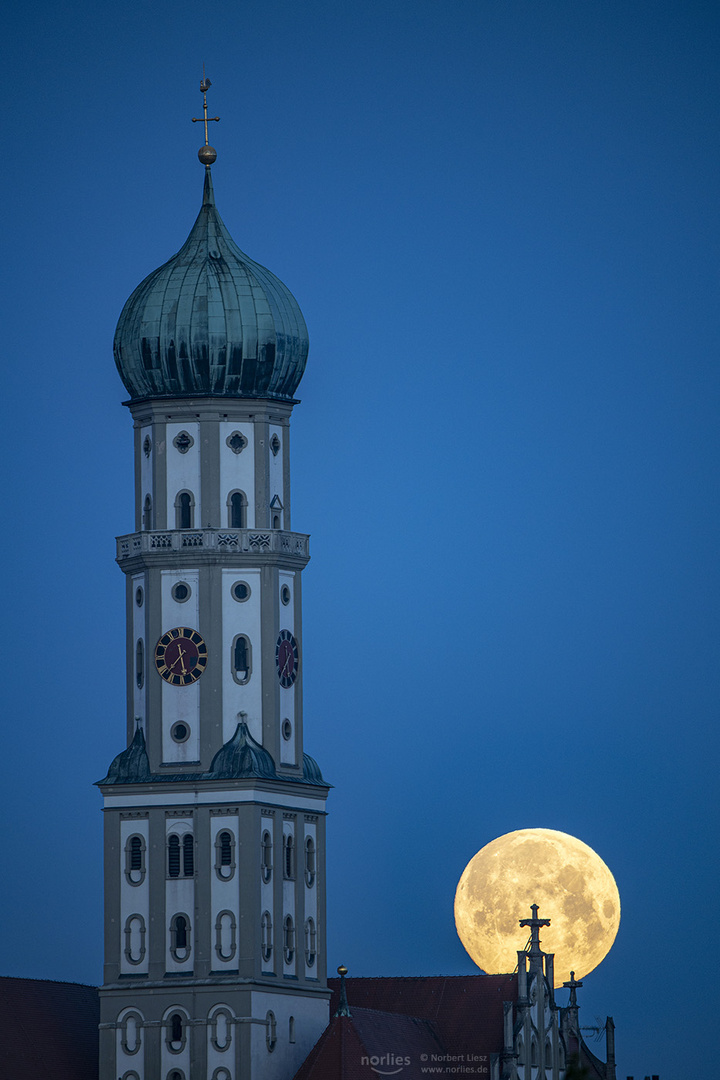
(289, 862)
(188, 855)
(174, 856)
(225, 849)
(136, 859)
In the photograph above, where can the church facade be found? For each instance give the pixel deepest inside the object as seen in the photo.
(215, 964)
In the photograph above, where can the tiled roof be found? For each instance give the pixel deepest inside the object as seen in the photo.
(371, 1043)
(405, 1027)
(48, 1029)
(466, 1011)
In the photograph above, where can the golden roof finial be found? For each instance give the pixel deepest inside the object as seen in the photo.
(206, 153)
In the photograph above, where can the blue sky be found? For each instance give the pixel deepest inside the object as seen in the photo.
(501, 223)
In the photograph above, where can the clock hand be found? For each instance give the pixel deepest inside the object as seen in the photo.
(177, 658)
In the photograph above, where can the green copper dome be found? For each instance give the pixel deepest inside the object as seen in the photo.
(211, 321)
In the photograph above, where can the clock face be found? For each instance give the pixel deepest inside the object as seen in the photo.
(181, 656)
(286, 658)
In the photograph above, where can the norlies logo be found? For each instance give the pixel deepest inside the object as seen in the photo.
(386, 1064)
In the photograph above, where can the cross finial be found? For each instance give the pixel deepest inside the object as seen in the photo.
(534, 923)
(206, 153)
(572, 986)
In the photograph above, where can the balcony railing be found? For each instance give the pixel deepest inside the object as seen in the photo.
(251, 541)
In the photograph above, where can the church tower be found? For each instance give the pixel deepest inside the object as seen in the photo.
(215, 964)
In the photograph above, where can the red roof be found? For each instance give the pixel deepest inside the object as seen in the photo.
(466, 1011)
(48, 1029)
(405, 1027)
(371, 1043)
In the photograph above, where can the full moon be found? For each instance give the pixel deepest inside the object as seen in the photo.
(571, 885)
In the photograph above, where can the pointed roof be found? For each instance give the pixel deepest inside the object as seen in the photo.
(211, 321)
(392, 1042)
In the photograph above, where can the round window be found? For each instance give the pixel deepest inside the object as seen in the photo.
(285, 595)
(180, 732)
(139, 596)
(286, 730)
(181, 592)
(241, 591)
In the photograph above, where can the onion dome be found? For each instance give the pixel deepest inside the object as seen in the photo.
(132, 765)
(211, 322)
(241, 756)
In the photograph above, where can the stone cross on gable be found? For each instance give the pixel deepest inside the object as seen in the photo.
(572, 986)
(534, 923)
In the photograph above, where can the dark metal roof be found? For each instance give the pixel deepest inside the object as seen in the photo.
(211, 322)
(241, 757)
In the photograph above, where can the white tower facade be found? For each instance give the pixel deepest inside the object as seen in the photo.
(215, 965)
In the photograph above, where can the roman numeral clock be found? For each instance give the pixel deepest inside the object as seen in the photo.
(215, 965)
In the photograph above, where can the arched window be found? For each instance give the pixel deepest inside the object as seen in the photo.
(180, 932)
(180, 938)
(136, 853)
(276, 521)
(241, 659)
(266, 856)
(135, 859)
(140, 663)
(225, 849)
(225, 855)
(147, 513)
(291, 1029)
(289, 939)
(533, 1053)
(270, 1031)
(288, 857)
(176, 1028)
(309, 861)
(174, 856)
(188, 855)
(237, 510)
(310, 942)
(184, 510)
(266, 936)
